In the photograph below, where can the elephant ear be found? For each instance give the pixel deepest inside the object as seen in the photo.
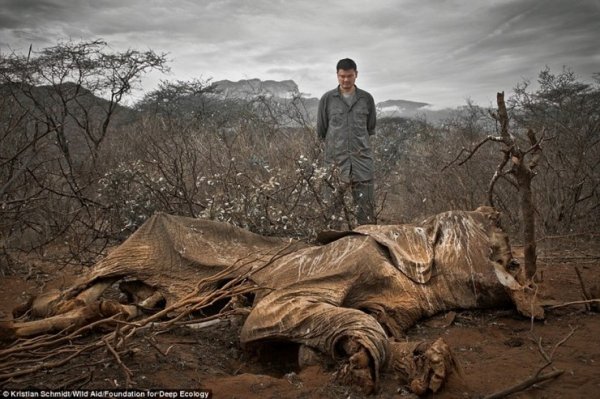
(328, 236)
(410, 248)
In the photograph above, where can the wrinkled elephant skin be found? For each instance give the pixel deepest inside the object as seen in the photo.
(349, 298)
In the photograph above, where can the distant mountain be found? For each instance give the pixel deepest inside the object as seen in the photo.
(248, 88)
(78, 114)
(284, 90)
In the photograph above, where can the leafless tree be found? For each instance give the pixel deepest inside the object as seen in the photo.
(58, 108)
(517, 166)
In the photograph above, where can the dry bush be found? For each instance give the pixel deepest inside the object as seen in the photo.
(568, 182)
(420, 181)
(57, 110)
(270, 183)
(257, 163)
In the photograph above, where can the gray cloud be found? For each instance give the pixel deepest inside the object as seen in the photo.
(441, 53)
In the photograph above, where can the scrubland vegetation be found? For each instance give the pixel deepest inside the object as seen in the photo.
(79, 171)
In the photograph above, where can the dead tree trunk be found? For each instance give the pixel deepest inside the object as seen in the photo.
(524, 177)
(523, 173)
(520, 173)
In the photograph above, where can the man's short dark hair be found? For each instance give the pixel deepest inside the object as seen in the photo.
(346, 64)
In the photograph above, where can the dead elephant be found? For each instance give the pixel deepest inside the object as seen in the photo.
(350, 298)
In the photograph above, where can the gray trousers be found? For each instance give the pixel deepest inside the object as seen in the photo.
(363, 195)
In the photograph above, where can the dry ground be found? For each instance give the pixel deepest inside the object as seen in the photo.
(495, 348)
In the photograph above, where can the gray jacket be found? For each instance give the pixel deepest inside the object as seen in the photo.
(346, 130)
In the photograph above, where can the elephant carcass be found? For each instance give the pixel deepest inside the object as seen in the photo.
(350, 298)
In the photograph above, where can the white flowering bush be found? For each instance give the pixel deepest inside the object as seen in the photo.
(132, 194)
(276, 201)
(272, 184)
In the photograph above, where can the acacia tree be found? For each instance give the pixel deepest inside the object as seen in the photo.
(180, 104)
(58, 108)
(79, 84)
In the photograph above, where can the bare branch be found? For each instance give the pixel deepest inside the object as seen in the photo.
(126, 370)
(503, 119)
(562, 341)
(472, 151)
(535, 149)
(562, 305)
(537, 376)
(534, 379)
(455, 159)
(497, 174)
(586, 295)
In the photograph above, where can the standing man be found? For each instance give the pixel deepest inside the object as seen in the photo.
(345, 120)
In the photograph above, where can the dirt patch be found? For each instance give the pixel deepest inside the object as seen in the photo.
(495, 348)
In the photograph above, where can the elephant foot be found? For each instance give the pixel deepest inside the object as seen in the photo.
(421, 366)
(357, 368)
(308, 357)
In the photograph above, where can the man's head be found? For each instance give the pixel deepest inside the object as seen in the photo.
(346, 74)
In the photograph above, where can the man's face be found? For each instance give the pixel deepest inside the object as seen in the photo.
(346, 79)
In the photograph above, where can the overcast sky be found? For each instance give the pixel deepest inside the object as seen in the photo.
(439, 51)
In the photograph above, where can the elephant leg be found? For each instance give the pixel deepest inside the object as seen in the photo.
(59, 314)
(52, 302)
(67, 321)
(67, 315)
(353, 338)
(421, 365)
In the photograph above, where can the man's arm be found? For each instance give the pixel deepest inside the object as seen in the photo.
(372, 117)
(322, 118)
